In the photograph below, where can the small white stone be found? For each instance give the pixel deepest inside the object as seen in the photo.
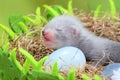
(116, 75)
(67, 58)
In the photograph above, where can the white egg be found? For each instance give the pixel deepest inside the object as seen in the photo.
(112, 71)
(67, 58)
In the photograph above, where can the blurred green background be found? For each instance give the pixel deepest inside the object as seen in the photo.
(8, 7)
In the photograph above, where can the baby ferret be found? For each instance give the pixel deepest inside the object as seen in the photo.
(69, 31)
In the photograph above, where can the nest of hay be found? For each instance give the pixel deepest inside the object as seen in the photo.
(34, 45)
(100, 26)
(105, 27)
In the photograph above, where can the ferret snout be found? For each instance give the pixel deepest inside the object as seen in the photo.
(46, 32)
(43, 32)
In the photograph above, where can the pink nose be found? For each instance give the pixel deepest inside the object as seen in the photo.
(45, 32)
(47, 35)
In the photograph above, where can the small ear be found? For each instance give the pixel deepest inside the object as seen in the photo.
(75, 32)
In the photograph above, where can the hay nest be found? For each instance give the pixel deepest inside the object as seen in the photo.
(105, 27)
(100, 26)
(34, 45)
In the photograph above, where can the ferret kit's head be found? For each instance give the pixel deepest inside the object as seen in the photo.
(62, 31)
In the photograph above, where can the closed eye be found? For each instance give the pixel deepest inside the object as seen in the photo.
(58, 29)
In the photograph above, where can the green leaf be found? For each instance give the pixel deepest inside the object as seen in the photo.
(14, 23)
(61, 9)
(8, 69)
(112, 7)
(70, 10)
(85, 77)
(97, 77)
(28, 19)
(55, 69)
(23, 27)
(49, 14)
(6, 46)
(38, 16)
(71, 74)
(8, 31)
(29, 57)
(40, 63)
(38, 12)
(40, 75)
(13, 57)
(97, 11)
(61, 77)
(51, 10)
(26, 66)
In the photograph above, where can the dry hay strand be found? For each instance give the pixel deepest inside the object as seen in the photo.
(34, 45)
(89, 70)
(105, 27)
